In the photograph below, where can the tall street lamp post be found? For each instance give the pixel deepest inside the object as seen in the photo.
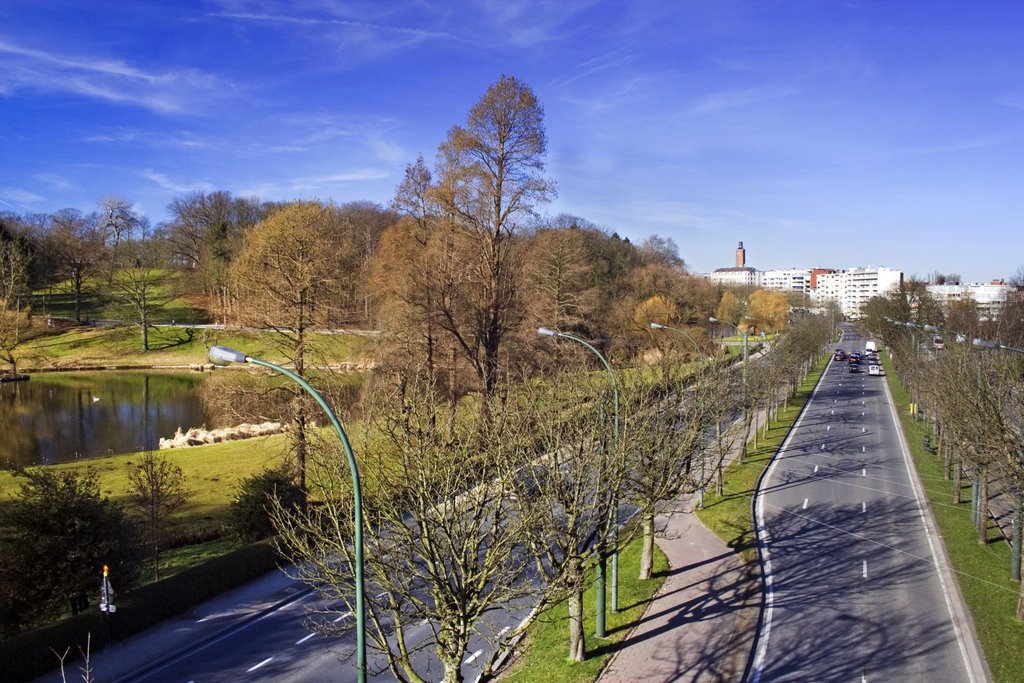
(222, 355)
(601, 560)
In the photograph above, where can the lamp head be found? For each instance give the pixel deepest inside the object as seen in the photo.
(547, 332)
(656, 326)
(222, 355)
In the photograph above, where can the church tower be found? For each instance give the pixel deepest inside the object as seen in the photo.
(741, 256)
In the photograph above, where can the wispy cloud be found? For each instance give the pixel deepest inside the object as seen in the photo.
(157, 139)
(20, 196)
(731, 99)
(109, 80)
(164, 182)
(314, 183)
(359, 39)
(55, 181)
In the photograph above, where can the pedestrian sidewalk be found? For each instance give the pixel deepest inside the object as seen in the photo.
(701, 624)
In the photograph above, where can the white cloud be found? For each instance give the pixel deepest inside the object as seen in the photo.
(730, 99)
(164, 182)
(20, 196)
(109, 80)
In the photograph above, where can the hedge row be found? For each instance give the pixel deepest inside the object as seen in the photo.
(31, 655)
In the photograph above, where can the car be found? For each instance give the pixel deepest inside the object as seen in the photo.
(875, 370)
(854, 367)
(839, 355)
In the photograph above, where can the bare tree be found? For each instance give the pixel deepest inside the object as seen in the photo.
(448, 542)
(286, 280)
(667, 434)
(569, 491)
(157, 489)
(489, 181)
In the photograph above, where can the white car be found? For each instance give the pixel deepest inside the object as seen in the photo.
(875, 370)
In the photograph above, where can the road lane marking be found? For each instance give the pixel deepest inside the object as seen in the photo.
(863, 449)
(864, 472)
(864, 506)
(864, 570)
(804, 507)
(300, 641)
(346, 615)
(828, 427)
(469, 660)
(265, 661)
(822, 446)
(815, 469)
(503, 631)
(760, 532)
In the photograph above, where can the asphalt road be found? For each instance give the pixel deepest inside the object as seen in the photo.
(854, 591)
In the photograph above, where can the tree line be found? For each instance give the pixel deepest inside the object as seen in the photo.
(970, 395)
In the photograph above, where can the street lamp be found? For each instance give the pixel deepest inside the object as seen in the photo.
(601, 561)
(988, 344)
(696, 346)
(222, 355)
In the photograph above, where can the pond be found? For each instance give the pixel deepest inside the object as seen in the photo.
(61, 417)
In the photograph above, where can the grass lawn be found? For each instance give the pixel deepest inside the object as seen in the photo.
(212, 473)
(98, 347)
(545, 649)
(983, 572)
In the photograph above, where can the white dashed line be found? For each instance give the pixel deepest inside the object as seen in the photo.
(804, 506)
(815, 469)
(469, 660)
(265, 661)
(864, 569)
(300, 641)
(864, 472)
(864, 506)
(346, 615)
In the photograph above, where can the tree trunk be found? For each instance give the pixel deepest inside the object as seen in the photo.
(647, 548)
(577, 643)
(983, 507)
(1020, 603)
(957, 485)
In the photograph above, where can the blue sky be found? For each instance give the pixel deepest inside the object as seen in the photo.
(818, 132)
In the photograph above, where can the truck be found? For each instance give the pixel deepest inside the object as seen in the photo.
(871, 345)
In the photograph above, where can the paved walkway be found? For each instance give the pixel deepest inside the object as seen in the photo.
(700, 625)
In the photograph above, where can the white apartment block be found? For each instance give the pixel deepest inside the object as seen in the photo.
(787, 280)
(741, 275)
(853, 287)
(989, 298)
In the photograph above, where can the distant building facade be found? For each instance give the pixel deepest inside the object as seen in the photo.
(854, 287)
(741, 274)
(787, 280)
(989, 298)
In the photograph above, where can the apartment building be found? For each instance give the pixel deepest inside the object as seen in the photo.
(853, 287)
(989, 298)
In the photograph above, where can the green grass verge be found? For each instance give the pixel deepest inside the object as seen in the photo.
(545, 649)
(730, 515)
(983, 572)
(98, 347)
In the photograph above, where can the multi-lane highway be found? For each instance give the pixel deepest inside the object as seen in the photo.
(854, 591)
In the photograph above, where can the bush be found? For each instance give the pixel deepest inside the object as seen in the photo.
(248, 518)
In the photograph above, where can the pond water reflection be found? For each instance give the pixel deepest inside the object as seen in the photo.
(59, 417)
